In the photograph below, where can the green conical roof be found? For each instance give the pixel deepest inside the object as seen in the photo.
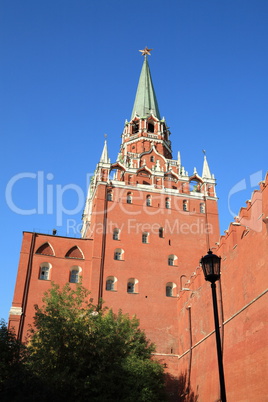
(145, 101)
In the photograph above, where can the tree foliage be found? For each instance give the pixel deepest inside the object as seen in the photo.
(79, 353)
(11, 359)
(76, 351)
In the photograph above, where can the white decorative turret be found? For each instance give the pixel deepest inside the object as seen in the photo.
(179, 158)
(104, 156)
(206, 171)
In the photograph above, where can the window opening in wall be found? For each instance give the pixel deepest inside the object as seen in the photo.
(130, 287)
(161, 232)
(202, 208)
(150, 128)
(145, 237)
(116, 234)
(185, 205)
(109, 196)
(149, 201)
(152, 158)
(169, 291)
(135, 127)
(172, 259)
(118, 254)
(110, 284)
(44, 272)
(74, 276)
(195, 186)
(129, 198)
(167, 204)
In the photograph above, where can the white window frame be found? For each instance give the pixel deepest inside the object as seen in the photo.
(44, 273)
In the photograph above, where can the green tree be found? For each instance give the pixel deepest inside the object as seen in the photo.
(77, 352)
(12, 355)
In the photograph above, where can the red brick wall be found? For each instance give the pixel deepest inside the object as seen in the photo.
(244, 301)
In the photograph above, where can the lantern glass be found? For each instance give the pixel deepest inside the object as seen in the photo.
(211, 265)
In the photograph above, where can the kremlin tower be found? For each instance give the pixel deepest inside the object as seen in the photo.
(146, 224)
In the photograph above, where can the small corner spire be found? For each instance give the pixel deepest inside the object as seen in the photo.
(104, 156)
(179, 158)
(206, 171)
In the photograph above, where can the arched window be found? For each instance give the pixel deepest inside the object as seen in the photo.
(145, 237)
(129, 198)
(111, 283)
(172, 259)
(161, 232)
(110, 196)
(170, 289)
(74, 274)
(152, 158)
(44, 271)
(150, 128)
(195, 186)
(185, 205)
(167, 203)
(202, 208)
(132, 285)
(118, 254)
(148, 201)
(116, 234)
(135, 127)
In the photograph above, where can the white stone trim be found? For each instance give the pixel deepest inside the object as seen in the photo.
(15, 311)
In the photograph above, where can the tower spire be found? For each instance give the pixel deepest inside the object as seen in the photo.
(206, 171)
(104, 156)
(145, 101)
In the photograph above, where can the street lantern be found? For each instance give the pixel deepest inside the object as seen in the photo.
(211, 265)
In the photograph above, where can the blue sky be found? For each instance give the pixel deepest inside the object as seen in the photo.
(69, 72)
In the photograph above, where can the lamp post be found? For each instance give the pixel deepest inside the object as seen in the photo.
(211, 267)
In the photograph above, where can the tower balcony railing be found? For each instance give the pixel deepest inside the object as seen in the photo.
(134, 136)
(172, 162)
(132, 155)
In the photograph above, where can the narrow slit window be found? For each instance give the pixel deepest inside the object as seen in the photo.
(129, 198)
(167, 203)
(185, 205)
(116, 234)
(161, 232)
(149, 201)
(145, 237)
